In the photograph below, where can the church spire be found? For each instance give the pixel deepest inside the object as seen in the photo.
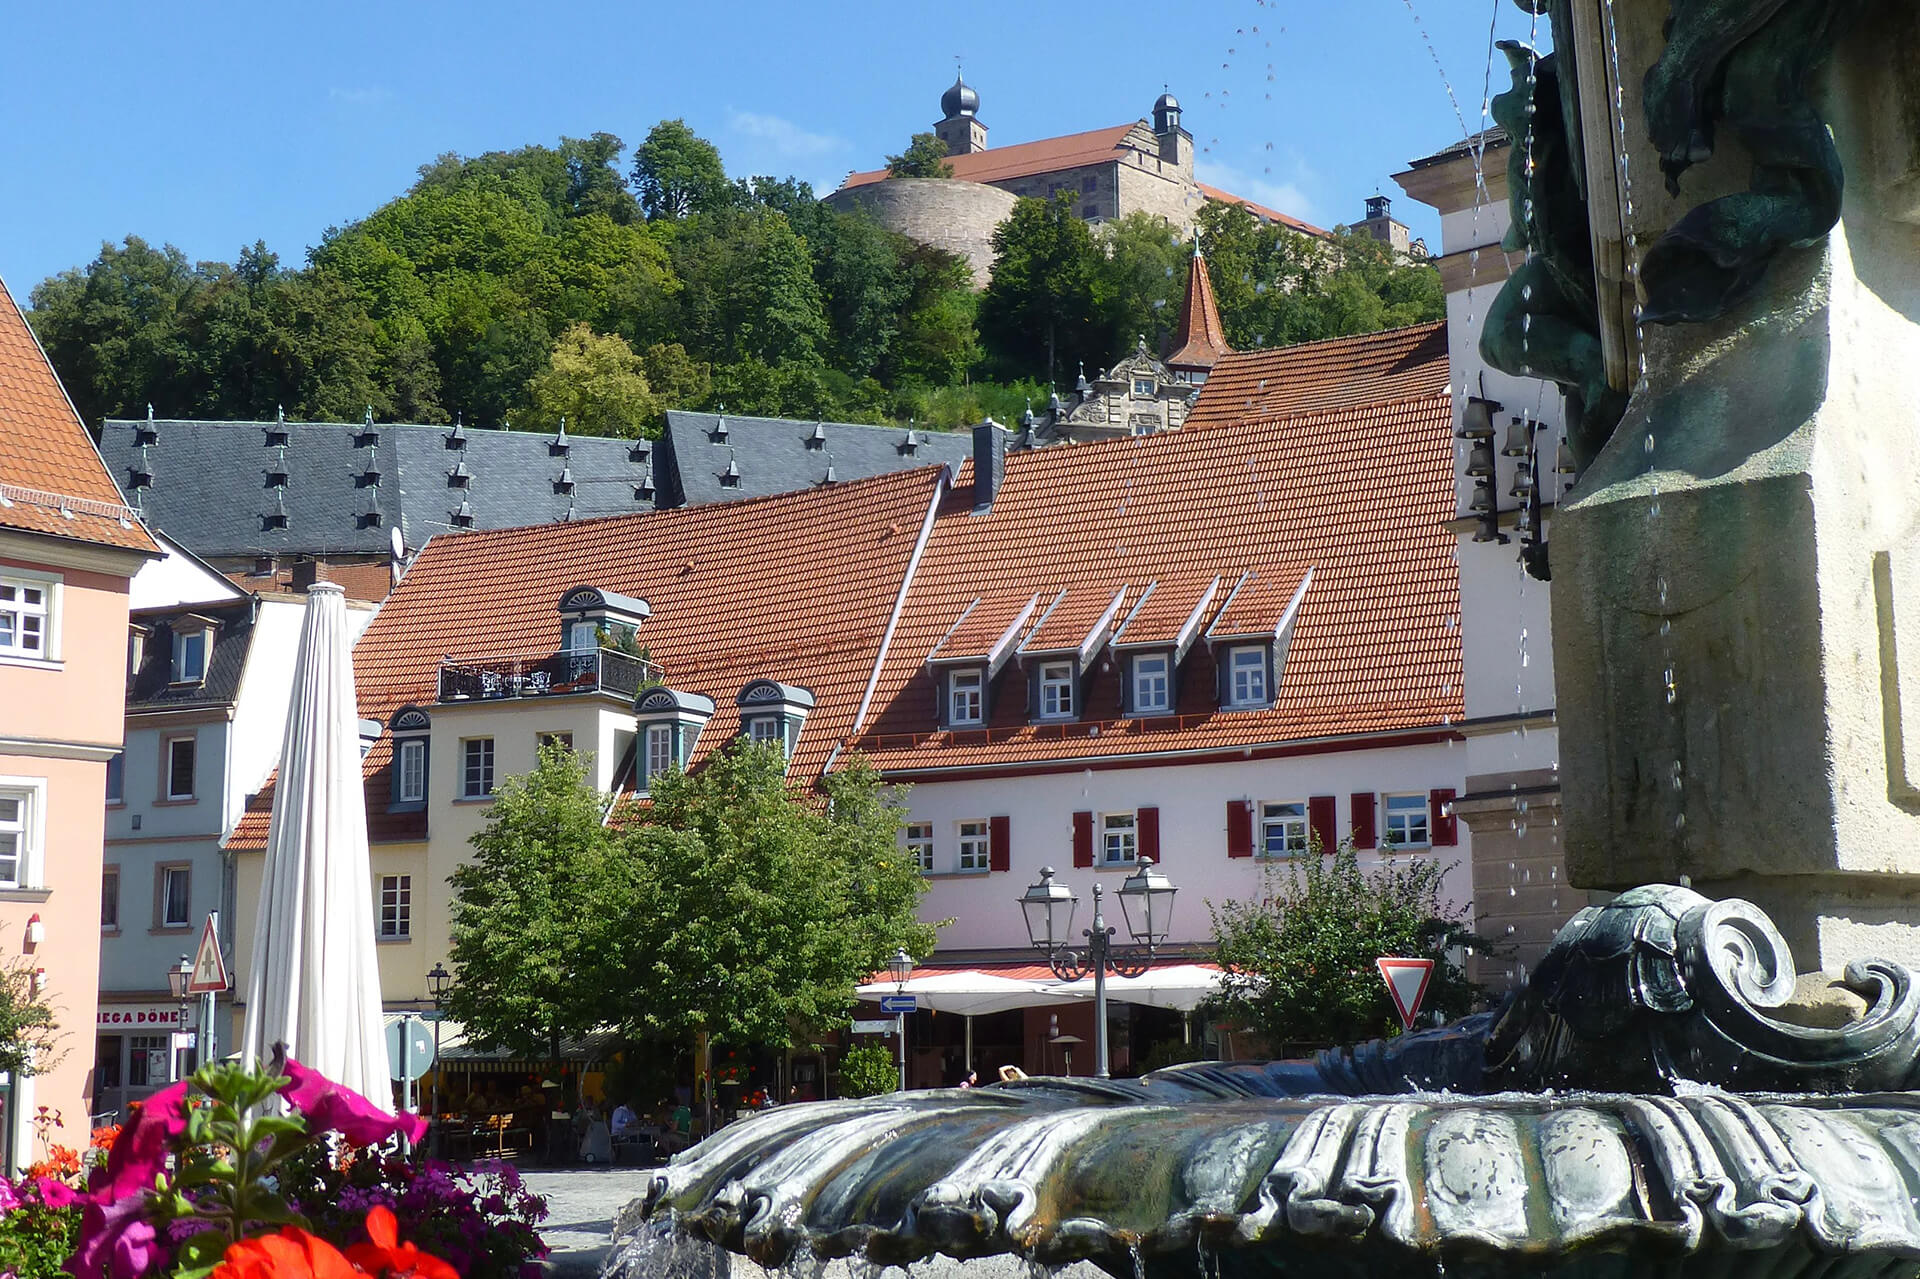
(1200, 340)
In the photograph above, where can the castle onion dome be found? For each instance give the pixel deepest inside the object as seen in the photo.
(960, 99)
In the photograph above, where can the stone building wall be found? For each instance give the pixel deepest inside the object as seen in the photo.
(1151, 185)
(957, 216)
(1094, 186)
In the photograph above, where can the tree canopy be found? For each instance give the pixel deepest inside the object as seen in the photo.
(925, 157)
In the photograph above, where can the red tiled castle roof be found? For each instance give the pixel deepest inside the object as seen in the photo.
(1248, 386)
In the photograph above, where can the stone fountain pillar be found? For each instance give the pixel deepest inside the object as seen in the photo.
(1736, 596)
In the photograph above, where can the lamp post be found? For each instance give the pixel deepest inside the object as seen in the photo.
(901, 966)
(438, 979)
(179, 978)
(1146, 903)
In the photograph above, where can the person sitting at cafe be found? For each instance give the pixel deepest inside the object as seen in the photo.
(624, 1120)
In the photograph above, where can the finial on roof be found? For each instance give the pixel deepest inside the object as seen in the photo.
(369, 417)
(560, 436)
(149, 411)
(1026, 419)
(279, 414)
(819, 430)
(1080, 383)
(831, 476)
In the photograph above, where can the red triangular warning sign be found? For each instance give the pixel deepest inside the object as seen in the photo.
(209, 966)
(1407, 982)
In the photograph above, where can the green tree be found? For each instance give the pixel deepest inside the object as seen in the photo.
(30, 1038)
(1300, 962)
(677, 172)
(925, 157)
(532, 915)
(1041, 301)
(595, 383)
(116, 329)
(867, 1071)
(1139, 279)
(752, 913)
(680, 381)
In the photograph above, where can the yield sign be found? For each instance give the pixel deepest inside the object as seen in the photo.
(1407, 982)
(209, 968)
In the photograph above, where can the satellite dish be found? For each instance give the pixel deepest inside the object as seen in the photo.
(398, 543)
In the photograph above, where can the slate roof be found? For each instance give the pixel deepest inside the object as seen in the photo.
(151, 687)
(797, 588)
(209, 485)
(52, 480)
(1358, 494)
(777, 455)
(1339, 372)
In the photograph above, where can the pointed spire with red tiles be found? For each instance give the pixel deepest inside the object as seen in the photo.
(1200, 340)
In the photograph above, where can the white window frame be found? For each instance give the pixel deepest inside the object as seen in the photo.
(917, 837)
(48, 613)
(193, 781)
(394, 909)
(766, 729)
(1160, 683)
(411, 765)
(966, 689)
(973, 844)
(657, 753)
(1056, 690)
(1152, 388)
(577, 643)
(1287, 819)
(1412, 817)
(1119, 838)
(201, 639)
(1249, 662)
(476, 774)
(162, 886)
(29, 827)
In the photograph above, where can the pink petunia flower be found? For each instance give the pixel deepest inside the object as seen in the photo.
(117, 1241)
(330, 1108)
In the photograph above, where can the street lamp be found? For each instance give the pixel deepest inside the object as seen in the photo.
(438, 979)
(1146, 903)
(901, 966)
(179, 979)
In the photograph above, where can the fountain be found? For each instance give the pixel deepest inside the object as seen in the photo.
(1734, 587)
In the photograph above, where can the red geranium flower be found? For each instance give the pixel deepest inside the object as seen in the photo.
(387, 1255)
(291, 1254)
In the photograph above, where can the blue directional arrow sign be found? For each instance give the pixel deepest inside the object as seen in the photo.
(898, 1003)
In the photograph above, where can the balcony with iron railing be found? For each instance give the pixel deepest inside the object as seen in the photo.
(592, 670)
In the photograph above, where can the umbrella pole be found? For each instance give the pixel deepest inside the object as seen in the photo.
(969, 1058)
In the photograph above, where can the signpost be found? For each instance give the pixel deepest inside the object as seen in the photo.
(209, 981)
(873, 1026)
(1407, 984)
(897, 1004)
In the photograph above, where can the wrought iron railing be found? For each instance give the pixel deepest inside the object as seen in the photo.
(603, 670)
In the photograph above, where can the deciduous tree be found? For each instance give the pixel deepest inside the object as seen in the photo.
(596, 383)
(925, 157)
(1039, 311)
(678, 172)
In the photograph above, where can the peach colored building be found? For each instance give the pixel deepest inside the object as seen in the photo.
(68, 547)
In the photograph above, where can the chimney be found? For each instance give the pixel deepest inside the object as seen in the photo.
(989, 463)
(306, 572)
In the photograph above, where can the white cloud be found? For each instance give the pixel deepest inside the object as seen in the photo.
(782, 138)
(1287, 186)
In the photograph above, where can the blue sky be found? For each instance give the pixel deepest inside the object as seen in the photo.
(211, 125)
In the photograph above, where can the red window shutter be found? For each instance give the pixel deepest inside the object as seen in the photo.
(1365, 833)
(1322, 817)
(1148, 820)
(999, 843)
(1446, 829)
(1239, 828)
(1083, 839)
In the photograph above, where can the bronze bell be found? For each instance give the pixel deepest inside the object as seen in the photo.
(1519, 438)
(1563, 460)
(1482, 497)
(1480, 458)
(1476, 420)
(1522, 481)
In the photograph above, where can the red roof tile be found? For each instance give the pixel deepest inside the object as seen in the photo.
(52, 480)
(796, 588)
(1200, 340)
(1170, 605)
(1359, 494)
(1075, 618)
(1262, 211)
(1024, 159)
(988, 625)
(1368, 369)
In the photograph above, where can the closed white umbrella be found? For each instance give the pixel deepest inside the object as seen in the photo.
(314, 984)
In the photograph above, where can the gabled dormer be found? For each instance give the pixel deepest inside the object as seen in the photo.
(774, 712)
(1250, 636)
(1152, 641)
(1059, 651)
(192, 638)
(591, 618)
(668, 725)
(411, 729)
(975, 648)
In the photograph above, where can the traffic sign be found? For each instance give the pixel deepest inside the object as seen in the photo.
(1407, 983)
(209, 966)
(897, 1004)
(873, 1025)
(409, 1048)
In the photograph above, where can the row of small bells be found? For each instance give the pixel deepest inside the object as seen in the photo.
(1522, 442)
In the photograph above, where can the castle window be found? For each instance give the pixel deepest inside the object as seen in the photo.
(1090, 183)
(1143, 388)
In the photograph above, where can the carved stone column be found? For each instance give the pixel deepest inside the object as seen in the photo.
(1737, 580)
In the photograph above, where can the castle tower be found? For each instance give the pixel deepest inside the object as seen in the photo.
(960, 126)
(1176, 144)
(1200, 340)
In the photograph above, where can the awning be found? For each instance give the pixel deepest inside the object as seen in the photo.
(1181, 987)
(458, 1052)
(975, 992)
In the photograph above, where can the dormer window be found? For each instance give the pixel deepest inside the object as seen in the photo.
(276, 479)
(277, 435)
(730, 478)
(459, 477)
(1056, 690)
(911, 444)
(369, 478)
(190, 655)
(456, 438)
(272, 521)
(670, 723)
(146, 433)
(1247, 677)
(643, 491)
(139, 477)
(1152, 684)
(763, 729)
(1143, 388)
(564, 483)
(591, 618)
(366, 438)
(463, 518)
(773, 712)
(583, 636)
(640, 451)
(966, 698)
(818, 438)
(719, 433)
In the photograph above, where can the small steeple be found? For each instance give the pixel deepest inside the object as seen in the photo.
(1200, 340)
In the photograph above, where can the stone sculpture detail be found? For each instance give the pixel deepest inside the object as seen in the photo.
(1742, 65)
(1351, 1164)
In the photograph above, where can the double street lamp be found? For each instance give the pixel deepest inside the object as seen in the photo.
(180, 981)
(901, 966)
(438, 979)
(1146, 903)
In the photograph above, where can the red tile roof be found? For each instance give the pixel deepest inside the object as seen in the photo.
(1262, 212)
(1358, 494)
(1024, 159)
(1339, 372)
(52, 480)
(1200, 340)
(1074, 618)
(1168, 606)
(796, 588)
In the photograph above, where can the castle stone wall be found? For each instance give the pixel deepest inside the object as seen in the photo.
(957, 216)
